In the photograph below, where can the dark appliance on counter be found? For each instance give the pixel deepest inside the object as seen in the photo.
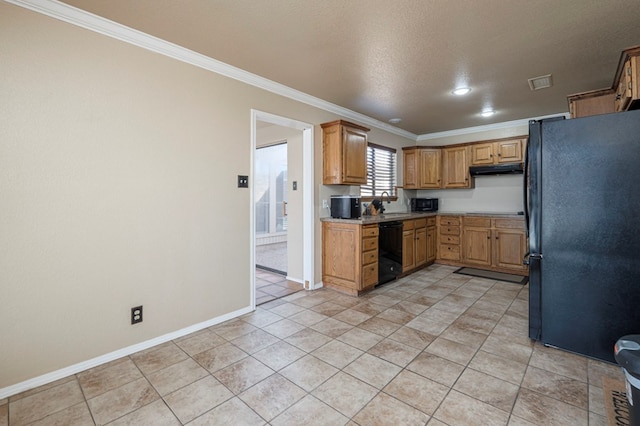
(345, 207)
(389, 251)
(496, 169)
(424, 204)
(581, 207)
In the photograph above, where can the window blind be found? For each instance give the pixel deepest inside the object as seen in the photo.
(381, 171)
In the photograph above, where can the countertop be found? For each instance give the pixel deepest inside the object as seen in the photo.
(388, 217)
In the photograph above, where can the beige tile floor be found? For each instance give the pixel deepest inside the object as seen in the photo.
(433, 348)
(271, 286)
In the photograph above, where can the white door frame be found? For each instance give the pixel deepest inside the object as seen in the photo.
(308, 257)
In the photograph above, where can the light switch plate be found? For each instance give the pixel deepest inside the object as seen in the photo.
(243, 181)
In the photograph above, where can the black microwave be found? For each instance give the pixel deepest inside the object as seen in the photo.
(424, 204)
(345, 207)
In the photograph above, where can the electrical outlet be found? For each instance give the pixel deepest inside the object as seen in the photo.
(325, 204)
(136, 314)
(243, 181)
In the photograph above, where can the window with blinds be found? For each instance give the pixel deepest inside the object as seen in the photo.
(381, 171)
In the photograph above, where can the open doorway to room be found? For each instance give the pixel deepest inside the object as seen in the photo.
(300, 205)
(277, 211)
(271, 197)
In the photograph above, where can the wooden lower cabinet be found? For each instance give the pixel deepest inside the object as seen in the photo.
(432, 240)
(449, 238)
(476, 240)
(414, 244)
(494, 243)
(349, 256)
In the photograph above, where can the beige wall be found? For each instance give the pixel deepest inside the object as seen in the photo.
(118, 185)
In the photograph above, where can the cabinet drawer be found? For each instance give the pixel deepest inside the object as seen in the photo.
(420, 223)
(449, 252)
(479, 222)
(448, 221)
(370, 243)
(369, 231)
(369, 257)
(450, 230)
(369, 275)
(450, 239)
(431, 221)
(508, 223)
(408, 225)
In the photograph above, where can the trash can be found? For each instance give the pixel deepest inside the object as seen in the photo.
(627, 354)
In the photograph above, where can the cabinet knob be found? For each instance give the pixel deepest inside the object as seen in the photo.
(488, 237)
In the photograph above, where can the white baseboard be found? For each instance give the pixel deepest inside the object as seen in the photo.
(111, 356)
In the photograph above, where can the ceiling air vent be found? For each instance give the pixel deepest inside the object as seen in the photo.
(542, 82)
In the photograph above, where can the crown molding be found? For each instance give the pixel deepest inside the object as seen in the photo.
(89, 21)
(95, 23)
(485, 128)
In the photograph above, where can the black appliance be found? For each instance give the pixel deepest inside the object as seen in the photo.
(389, 251)
(581, 207)
(496, 169)
(345, 207)
(424, 204)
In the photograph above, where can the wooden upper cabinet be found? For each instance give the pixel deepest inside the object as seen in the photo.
(410, 168)
(455, 167)
(591, 103)
(430, 175)
(626, 82)
(422, 168)
(481, 153)
(504, 151)
(623, 95)
(344, 153)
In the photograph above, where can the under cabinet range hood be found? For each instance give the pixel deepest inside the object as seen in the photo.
(496, 169)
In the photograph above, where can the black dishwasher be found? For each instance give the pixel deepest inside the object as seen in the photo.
(390, 251)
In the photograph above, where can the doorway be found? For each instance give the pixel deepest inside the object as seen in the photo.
(282, 207)
(271, 195)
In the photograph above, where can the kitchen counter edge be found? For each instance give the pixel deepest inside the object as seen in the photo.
(416, 215)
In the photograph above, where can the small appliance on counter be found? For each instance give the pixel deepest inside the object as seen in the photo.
(345, 207)
(424, 204)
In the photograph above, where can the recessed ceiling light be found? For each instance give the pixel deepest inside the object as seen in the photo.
(461, 91)
(395, 120)
(487, 113)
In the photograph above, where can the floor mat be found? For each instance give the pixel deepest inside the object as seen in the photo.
(615, 401)
(518, 279)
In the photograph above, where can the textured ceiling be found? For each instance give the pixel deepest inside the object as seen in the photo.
(402, 58)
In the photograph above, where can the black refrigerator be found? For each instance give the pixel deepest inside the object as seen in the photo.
(582, 206)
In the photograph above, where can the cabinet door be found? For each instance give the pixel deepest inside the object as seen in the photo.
(408, 253)
(510, 245)
(477, 246)
(421, 246)
(481, 153)
(341, 253)
(410, 169)
(432, 243)
(331, 155)
(455, 168)
(429, 168)
(354, 156)
(509, 151)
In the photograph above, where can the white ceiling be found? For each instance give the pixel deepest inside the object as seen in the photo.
(402, 58)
